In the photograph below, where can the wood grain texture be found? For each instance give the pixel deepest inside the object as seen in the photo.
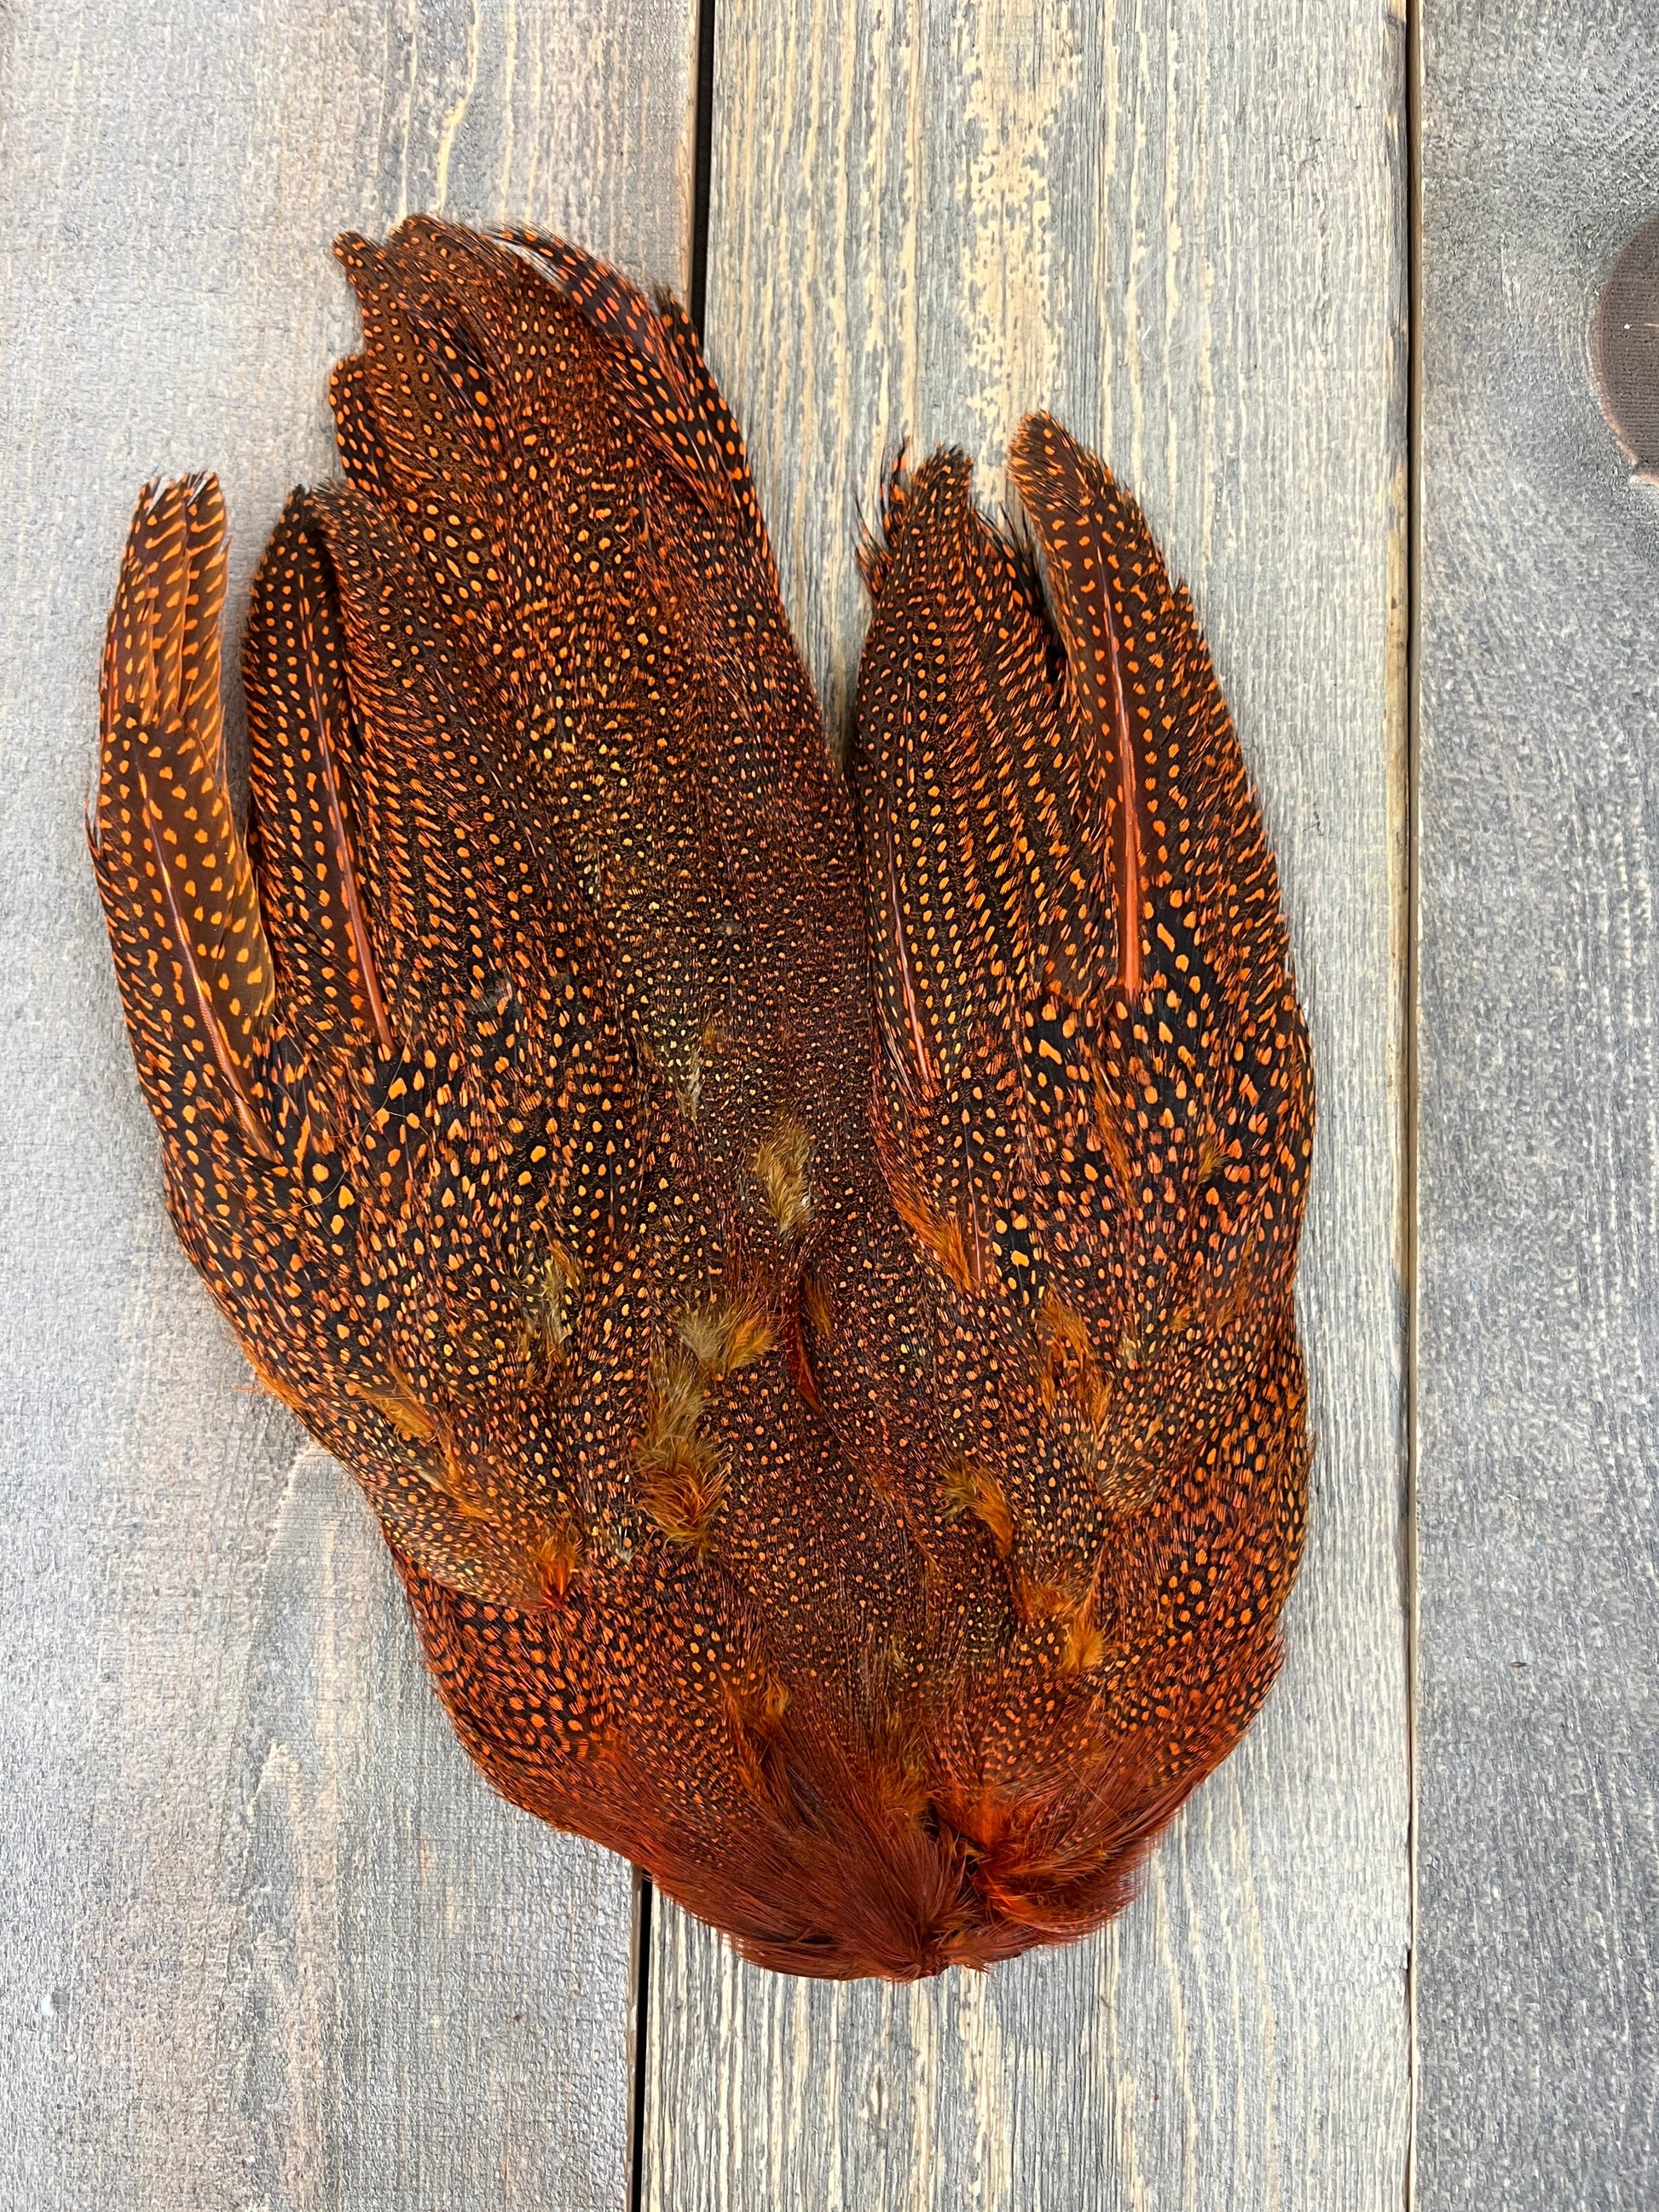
(1538, 1481)
(265, 1939)
(1180, 226)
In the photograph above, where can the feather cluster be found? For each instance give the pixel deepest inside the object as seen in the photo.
(800, 1264)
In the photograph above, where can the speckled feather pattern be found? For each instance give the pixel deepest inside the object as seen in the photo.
(800, 1265)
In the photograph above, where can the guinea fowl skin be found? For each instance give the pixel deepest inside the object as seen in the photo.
(800, 1267)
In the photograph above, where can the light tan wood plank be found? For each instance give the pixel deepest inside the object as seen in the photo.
(1180, 226)
(265, 1939)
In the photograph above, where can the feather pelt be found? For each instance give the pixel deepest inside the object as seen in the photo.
(800, 1263)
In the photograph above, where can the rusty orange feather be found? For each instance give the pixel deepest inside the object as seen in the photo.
(800, 1265)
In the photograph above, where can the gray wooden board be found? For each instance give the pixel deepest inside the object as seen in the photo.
(265, 1939)
(1180, 226)
(1538, 1476)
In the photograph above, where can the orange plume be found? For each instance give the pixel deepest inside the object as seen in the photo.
(800, 1267)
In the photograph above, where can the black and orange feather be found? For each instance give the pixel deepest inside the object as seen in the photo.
(800, 1265)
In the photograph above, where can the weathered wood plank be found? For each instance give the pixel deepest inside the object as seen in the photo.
(1538, 1480)
(1180, 226)
(266, 1939)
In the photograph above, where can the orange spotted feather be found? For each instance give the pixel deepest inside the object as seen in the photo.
(800, 1265)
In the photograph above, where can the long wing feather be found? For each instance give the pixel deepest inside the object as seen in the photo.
(185, 925)
(1093, 1108)
(303, 746)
